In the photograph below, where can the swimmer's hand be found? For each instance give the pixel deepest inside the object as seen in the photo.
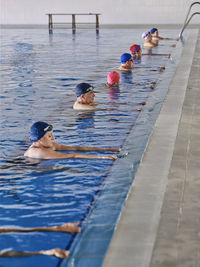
(68, 228)
(115, 149)
(177, 39)
(109, 157)
(57, 252)
(137, 109)
(142, 103)
(161, 69)
(174, 45)
(153, 82)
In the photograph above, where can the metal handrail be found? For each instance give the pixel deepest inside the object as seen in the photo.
(186, 22)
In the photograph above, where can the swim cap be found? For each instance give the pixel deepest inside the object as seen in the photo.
(134, 48)
(113, 77)
(83, 88)
(145, 35)
(153, 30)
(125, 57)
(38, 130)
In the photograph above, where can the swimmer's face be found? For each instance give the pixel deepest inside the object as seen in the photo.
(47, 139)
(89, 97)
(129, 63)
(149, 38)
(155, 33)
(139, 53)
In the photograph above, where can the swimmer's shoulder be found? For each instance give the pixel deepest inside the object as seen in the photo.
(34, 152)
(149, 45)
(124, 70)
(78, 106)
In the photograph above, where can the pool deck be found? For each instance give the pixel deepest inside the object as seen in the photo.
(160, 224)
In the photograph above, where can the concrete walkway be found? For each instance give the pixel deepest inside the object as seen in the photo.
(160, 225)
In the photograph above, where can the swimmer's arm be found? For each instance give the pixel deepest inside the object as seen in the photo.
(173, 39)
(126, 70)
(84, 107)
(126, 104)
(83, 148)
(60, 155)
(166, 55)
(134, 67)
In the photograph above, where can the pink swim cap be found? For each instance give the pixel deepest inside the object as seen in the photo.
(113, 77)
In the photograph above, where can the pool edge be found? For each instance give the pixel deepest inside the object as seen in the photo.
(134, 238)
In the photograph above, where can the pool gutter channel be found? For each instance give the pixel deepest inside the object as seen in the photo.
(140, 217)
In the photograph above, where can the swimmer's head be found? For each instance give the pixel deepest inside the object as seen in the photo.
(145, 35)
(38, 130)
(135, 48)
(153, 30)
(113, 78)
(83, 88)
(125, 57)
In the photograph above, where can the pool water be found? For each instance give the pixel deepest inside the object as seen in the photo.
(38, 75)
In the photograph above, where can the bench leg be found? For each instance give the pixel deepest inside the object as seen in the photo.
(97, 21)
(73, 22)
(50, 21)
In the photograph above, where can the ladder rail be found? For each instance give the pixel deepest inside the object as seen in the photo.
(186, 22)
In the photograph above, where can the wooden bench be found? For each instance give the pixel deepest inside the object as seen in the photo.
(51, 23)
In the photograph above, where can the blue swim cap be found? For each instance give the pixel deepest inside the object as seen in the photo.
(125, 57)
(38, 130)
(153, 30)
(83, 88)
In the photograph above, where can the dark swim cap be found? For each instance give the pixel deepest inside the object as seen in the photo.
(38, 130)
(83, 88)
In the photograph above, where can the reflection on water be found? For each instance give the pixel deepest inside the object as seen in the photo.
(114, 93)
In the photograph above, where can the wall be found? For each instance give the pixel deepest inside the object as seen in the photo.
(113, 11)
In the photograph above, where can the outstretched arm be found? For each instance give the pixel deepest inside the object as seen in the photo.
(154, 54)
(50, 154)
(65, 228)
(84, 148)
(57, 252)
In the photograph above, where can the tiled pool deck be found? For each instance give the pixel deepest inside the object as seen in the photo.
(160, 224)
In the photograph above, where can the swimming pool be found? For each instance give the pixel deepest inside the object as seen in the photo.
(39, 73)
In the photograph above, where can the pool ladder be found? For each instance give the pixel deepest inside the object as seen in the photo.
(186, 22)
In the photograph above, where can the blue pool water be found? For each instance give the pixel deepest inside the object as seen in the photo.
(38, 75)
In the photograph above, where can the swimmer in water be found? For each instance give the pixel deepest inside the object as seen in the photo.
(44, 147)
(156, 37)
(148, 43)
(126, 62)
(113, 79)
(85, 99)
(136, 52)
